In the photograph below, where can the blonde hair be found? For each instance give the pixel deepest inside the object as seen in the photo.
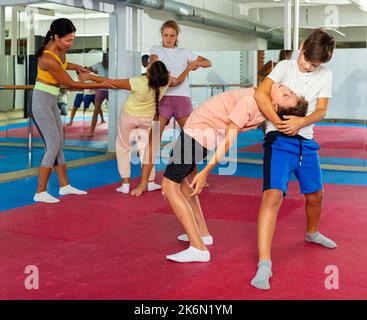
(173, 25)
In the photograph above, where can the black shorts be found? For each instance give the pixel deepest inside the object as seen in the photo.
(185, 154)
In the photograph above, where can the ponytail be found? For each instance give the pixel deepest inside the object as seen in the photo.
(157, 92)
(48, 38)
(158, 77)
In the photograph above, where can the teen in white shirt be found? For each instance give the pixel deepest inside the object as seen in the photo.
(292, 149)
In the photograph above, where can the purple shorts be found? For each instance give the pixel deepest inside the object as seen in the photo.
(175, 106)
(101, 95)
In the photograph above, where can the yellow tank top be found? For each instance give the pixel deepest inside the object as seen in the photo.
(47, 76)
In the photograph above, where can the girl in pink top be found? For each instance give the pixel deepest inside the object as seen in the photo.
(213, 126)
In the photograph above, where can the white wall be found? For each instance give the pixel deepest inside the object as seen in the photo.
(84, 26)
(349, 99)
(6, 77)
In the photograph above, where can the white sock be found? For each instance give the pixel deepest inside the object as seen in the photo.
(190, 255)
(208, 240)
(45, 197)
(263, 274)
(152, 186)
(125, 188)
(318, 238)
(70, 190)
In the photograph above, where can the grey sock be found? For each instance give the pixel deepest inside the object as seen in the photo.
(318, 238)
(263, 274)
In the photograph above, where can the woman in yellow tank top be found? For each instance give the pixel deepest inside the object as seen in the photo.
(52, 66)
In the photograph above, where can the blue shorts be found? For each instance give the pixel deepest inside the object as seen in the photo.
(283, 155)
(88, 99)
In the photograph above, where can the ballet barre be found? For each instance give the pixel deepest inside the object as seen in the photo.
(16, 87)
(30, 87)
(221, 86)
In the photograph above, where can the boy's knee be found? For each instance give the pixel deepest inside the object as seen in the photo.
(273, 198)
(315, 198)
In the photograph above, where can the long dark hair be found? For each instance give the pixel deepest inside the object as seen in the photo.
(158, 77)
(60, 27)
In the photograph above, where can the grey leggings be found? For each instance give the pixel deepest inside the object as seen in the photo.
(46, 116)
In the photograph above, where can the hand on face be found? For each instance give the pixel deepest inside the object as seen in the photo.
(291, 125)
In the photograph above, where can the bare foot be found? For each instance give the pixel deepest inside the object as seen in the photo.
(69, 124)
(87, 135)
(139, 190)
(103, 121)
(206, 185)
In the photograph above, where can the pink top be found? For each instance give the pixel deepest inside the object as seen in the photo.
(208, 123)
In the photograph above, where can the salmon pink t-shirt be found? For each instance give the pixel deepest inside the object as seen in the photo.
(208, 123)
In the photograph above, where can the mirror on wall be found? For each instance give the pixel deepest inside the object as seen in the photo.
(25, 28)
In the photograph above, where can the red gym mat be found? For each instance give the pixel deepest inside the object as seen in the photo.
(108, 245)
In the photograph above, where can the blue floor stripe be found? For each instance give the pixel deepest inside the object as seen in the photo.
(16, 158)
(341, 124)
(13, 126)
(258, 131)
(102, 145)
(24, 124)
(20, 192)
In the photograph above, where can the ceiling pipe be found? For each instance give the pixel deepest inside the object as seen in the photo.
(208, 18)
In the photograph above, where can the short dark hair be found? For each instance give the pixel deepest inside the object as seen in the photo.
(145, 58)
(299, 110)
(319, 46)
